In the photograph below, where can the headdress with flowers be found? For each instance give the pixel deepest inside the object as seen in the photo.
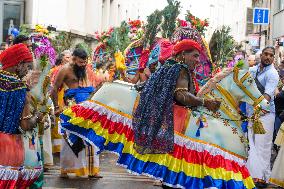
(197, 23)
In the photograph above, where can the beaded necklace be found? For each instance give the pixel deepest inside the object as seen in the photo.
(10, 82)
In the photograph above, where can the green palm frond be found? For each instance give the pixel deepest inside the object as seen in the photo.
(222, 44)
(170, 14)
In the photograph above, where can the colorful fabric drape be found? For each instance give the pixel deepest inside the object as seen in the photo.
(153, 119)
(80, 159)
(192, 164)
(79, 94)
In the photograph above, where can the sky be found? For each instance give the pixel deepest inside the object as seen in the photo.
(219, 12)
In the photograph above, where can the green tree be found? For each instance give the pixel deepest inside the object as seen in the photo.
(170, 14)
(62, 41)
(119, 39)
(84, 46)
(222, 45)
(152, 28)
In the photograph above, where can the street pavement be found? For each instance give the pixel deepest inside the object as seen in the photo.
(114, 177)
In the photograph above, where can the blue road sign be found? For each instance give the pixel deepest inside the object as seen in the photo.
(260, 16)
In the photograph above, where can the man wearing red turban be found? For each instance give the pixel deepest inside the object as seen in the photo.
(161, 101)
(15, 116)
(187, 52)
(170, 86)
(17, 59)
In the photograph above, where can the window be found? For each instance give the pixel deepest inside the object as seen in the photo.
(281, 5)
(13, 16)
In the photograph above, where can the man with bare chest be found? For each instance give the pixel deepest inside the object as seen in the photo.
(77, 156)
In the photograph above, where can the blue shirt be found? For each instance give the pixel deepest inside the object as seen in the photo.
(269, 79)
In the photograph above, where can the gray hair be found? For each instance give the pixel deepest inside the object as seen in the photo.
(65, 52)
(61, 55)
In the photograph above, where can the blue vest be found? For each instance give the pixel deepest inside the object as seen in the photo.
(12, 100)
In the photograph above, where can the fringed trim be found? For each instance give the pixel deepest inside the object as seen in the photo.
(191, 162)
(11, 173)
(91, 108)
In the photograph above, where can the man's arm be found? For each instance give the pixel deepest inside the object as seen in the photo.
(28, 119)
(57, 84)
(183, 96)
(270, 86)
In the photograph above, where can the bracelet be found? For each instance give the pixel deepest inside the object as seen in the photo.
(21, 130)
(27, 117)
(180, 89)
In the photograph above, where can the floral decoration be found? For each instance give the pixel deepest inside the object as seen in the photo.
(45, 52)
(104, 36)
(135, 23)
(197, 23)
(183, 23)
(40, 29)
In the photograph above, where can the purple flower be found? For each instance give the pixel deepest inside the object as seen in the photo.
(45, 49)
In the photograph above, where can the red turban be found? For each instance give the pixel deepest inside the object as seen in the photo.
(186, 44)
(14, 55)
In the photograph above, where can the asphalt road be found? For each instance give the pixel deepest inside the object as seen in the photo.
(114, 177)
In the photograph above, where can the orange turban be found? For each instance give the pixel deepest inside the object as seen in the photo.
(185, 45)
(14, 55)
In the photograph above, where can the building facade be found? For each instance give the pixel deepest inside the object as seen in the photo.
(267, 34)
(230, 13)
(278, 20)
(11, 14)
(82, 17)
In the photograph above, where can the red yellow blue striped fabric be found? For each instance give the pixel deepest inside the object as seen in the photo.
(192, 164)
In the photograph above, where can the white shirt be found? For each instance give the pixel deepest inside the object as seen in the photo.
(269, 79)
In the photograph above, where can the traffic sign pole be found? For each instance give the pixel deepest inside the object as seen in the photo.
(260, 17)
(259, 42)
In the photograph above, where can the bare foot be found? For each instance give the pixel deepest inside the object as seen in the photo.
(64, 175)
(94, 177)
(157, 183)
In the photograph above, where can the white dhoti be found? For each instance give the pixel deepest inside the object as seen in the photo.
(47, 147)
(86, 164)
(258, 162)
(56, 137)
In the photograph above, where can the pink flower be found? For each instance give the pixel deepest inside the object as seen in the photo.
(45, 49)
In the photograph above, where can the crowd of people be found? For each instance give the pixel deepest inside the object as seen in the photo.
(73, 80)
